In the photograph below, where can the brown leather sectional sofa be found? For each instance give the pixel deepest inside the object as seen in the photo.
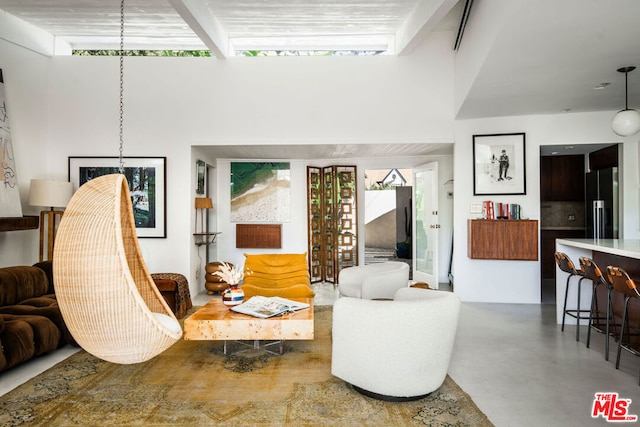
(30, 320)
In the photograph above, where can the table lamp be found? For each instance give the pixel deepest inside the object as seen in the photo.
(44, 192)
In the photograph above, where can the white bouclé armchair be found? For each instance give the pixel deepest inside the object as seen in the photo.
(373, 281)
(395, 350)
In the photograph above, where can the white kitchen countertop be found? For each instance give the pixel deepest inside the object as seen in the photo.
(623, 247)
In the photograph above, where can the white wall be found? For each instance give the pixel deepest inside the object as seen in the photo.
(484, 24)
(378, 203)
(519, 281)
(68, 106)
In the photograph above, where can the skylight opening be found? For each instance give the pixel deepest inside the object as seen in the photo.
(241, 53)
(177, 53)
(251, 53)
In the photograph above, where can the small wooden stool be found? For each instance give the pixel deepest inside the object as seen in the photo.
(214, 283)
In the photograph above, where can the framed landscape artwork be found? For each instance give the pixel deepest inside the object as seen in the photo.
(260, 192)
(499, 164)
(147, 184)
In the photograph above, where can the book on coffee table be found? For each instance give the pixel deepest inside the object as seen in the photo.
(265, 307)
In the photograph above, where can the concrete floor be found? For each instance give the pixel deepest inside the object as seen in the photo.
(512, 359)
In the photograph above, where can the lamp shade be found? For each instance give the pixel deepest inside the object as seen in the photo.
(626, 122)
(44, 192)
(204, 203)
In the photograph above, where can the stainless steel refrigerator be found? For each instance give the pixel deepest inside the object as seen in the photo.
(602, 204)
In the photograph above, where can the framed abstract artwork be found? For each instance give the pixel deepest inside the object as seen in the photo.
(499, 164)
(147, 184)
(9, 192)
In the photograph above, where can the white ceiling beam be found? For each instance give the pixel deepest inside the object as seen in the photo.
(196, 14)
(337, 42)
(23, 34)
(422, 20)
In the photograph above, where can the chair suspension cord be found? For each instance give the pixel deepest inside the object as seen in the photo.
(121, 158)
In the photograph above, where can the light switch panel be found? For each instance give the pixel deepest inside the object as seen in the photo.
(475, 208)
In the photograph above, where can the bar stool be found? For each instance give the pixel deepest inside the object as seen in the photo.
(566, 265)
(629, 333)
(601, 291)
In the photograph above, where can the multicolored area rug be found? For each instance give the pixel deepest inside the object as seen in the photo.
(195, 384)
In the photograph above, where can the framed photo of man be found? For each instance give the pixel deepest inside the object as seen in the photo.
(499, 164)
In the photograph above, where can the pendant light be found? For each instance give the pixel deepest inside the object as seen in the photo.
(626, 122)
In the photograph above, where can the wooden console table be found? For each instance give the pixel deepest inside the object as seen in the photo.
(19, 223)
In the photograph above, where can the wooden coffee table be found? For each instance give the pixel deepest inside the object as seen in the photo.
(216, 321)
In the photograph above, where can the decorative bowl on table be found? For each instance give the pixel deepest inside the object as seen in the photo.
(232, 274)
(233, 295)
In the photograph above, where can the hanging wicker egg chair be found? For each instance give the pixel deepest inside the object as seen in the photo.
(107, 297)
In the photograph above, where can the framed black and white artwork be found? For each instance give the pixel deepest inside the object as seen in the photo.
(499, 164)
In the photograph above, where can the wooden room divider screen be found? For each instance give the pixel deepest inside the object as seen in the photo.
(332, 208)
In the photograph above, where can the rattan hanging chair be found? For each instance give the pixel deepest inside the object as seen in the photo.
(107, 297)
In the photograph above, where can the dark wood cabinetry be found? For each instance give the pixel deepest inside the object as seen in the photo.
(548, 248)
(604, 158)
(503, 239)
(562, 178)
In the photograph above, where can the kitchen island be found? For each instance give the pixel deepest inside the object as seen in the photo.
(624, 253)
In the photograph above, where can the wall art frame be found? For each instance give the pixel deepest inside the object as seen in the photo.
(147, 183)
(260, 192)
(201, 172)
(499, 166)
(10, 205)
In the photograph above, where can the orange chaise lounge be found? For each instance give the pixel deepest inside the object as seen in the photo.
(282, 275)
